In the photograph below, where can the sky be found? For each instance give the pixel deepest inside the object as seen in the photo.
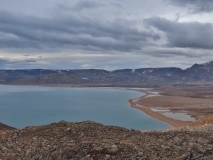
(112, 34)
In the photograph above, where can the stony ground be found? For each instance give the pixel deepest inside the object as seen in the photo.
(207, 120)
(93, 141)
(5, 127)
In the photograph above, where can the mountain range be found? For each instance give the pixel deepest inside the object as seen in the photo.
(198, 73)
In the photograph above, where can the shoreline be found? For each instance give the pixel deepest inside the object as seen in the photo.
(149, 112)
(157, 115)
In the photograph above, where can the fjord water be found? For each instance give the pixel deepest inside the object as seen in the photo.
(22, 106)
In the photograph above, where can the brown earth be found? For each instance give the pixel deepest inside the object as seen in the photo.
(173, 101)
(207, 120)
(156, 115)
(4, 129)
(194, 99)
(196, 90)
(161, 117)
(196, 107)
(94, 141)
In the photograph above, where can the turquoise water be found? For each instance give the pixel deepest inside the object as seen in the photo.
(22, 106)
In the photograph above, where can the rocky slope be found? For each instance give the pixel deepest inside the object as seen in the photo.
(5, 127)
(93, 141)
(207, 120)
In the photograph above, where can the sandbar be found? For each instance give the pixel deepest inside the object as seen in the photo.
(157, 115)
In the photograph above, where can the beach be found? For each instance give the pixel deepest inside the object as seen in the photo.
(157, 115)
(152, 104)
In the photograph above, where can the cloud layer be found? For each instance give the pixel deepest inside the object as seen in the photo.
(108, 34)
(184, 35)
(68, 32)
(195, 6)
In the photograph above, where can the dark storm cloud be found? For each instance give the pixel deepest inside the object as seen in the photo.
(30, 61)
(81, 5)
(186, 34)
(19, 31)
(195, 6)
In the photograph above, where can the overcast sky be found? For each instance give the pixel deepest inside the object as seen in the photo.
(112, 34)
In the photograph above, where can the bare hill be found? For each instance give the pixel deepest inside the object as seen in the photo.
(92, 141)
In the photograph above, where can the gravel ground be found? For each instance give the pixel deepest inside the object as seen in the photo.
(93, 141)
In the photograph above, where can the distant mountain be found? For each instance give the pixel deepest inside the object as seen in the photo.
(196, 73)
(127, 76)
(56, 78)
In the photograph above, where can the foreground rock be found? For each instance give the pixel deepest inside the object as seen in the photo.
(92, 141)
(207, 120)
(4, 129)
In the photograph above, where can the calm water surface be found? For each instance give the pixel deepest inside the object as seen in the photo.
(22, 106)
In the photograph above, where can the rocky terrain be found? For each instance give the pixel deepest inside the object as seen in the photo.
(207, 120)
(196, 74)
(93, 141)
(5, 127)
